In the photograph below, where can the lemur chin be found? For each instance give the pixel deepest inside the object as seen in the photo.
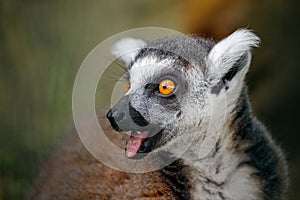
(186, 89)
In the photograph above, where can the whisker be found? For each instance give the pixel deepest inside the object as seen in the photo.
(123, 67)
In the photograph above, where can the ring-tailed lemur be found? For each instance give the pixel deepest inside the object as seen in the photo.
(186, 89)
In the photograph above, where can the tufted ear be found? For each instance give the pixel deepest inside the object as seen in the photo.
(229, 59)
(126, 49)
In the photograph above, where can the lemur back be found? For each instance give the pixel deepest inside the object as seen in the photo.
(187, 99)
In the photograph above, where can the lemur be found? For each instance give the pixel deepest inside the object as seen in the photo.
(191, 89)
(187, 99)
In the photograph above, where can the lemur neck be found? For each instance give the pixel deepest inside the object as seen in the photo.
(223, 172)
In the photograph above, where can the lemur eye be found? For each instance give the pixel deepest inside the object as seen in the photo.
(166, 87)
(127, 86)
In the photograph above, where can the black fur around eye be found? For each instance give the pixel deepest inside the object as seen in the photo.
(151, 87)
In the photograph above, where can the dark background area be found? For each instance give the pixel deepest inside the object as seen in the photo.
(42, 44)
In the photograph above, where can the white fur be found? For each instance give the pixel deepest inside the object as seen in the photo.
(127, 49)
(238, 184)
(144, 69)
(227, 52)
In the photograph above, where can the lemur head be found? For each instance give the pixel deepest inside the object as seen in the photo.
(176, 84)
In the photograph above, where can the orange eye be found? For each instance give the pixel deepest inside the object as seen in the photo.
(166, 87)
(127, 86)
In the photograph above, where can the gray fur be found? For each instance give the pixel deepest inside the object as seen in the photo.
(231, 155)
(191, 48)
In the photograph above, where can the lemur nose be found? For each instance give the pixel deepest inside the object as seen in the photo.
(123, 117)
(137, 118)
(115, 117)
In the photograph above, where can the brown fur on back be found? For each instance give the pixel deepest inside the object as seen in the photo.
(73, 173)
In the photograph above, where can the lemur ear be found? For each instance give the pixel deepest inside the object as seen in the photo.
(229, 59)
(126, 49)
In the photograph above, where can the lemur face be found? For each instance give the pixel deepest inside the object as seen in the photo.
(172, 83)
(153, 105)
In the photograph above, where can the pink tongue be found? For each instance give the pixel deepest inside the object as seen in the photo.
(134, 143)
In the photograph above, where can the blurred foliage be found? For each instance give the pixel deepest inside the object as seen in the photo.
(42, 44)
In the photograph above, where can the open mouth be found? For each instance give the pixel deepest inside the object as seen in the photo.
(144, 136)
(134, 143)
(140, 143)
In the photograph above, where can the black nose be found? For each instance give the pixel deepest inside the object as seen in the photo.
(120, 122)
(123, 117)
(112, 117)
(137, 118)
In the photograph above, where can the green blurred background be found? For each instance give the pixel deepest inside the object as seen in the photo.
(42, 44)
